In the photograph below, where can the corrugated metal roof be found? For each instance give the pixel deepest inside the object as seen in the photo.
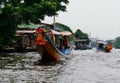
(31, 26)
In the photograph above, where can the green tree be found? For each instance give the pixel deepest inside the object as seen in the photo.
(81, 35)
(15, 12)
(117, 42)
(8, 24)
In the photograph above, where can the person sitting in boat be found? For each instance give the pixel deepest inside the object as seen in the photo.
(65, 41)
(100, 46)
(61, 44)
(63, 49)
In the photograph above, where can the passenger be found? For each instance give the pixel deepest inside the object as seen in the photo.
(63, 49)
(100, 46)
(61, 44)
(65, 41)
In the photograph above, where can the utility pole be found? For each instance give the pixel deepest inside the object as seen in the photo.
(54, 20)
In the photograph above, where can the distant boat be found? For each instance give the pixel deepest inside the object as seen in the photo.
(104, 46)
(47, 47)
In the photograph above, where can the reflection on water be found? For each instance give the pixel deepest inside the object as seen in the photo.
(87, 66)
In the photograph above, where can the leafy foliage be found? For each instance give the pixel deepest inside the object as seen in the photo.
(117, 42)
(14, 12)
(8, 23)
(80, 35)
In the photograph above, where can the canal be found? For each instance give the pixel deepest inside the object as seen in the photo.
(86, 66)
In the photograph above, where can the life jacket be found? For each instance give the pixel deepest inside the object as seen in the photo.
(41, 36)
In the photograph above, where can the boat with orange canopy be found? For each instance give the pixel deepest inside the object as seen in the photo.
(104, 46)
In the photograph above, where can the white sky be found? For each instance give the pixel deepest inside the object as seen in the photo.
(101, 18)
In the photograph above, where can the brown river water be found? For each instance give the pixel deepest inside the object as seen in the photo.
(86, 66)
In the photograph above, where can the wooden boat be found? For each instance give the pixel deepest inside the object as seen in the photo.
(104, 46)
(48, 50)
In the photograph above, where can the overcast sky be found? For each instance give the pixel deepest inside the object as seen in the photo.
(101, 18)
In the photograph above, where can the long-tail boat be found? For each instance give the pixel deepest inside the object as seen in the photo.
(104, 46)
(46, 46)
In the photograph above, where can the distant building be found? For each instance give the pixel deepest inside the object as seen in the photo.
(80, 44)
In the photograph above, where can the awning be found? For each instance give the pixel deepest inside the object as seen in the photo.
(66, 33)
(102, 42)
(81, 40)
(55, 32)
(25, 31)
